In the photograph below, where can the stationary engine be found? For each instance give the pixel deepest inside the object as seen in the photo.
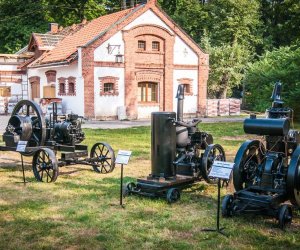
(180, 154)
(266, 173)
(27, 123)
(195, 151)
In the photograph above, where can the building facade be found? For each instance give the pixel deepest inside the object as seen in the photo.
(133, 59)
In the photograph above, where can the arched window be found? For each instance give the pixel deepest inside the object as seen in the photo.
(148, 92)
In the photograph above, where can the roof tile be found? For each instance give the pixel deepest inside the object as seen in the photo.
(67, 46)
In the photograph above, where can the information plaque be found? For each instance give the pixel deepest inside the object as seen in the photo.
(21, 147)
(123, 157)
(221, 169)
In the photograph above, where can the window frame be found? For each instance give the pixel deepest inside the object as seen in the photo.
(156, 43)
(145, 86)
(141, 48)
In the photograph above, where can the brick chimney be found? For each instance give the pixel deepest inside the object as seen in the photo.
(53, 27)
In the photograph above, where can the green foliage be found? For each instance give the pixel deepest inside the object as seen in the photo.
(19, 18)
(227, 65)
(281, 22)
(283, 65)
(16, 23)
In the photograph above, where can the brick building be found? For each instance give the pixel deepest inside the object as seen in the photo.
(134, 58)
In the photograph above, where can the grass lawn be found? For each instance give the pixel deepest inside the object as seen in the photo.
(80, 210)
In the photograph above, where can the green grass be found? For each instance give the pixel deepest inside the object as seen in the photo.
(80, 210)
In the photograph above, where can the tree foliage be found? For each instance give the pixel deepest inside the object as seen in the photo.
(281, 64)
(234, 33)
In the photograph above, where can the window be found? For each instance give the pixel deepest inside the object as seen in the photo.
(71, 88)
(62, 88)
(188, 85)
(187, 88)
(108, 87)
(141, 45)
(155, 46)
(147, 92)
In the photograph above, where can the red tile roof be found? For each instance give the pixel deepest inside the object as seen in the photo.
(68, 46)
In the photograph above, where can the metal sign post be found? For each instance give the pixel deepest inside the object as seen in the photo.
(221, 170)
(123, 159)
(21, 147)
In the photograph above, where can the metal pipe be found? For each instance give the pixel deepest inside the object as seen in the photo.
(180, 98)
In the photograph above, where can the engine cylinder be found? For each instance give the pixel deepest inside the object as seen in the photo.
(163, 144)
(273, 127)
(182, 136)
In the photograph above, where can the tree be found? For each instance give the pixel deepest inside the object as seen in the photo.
(16, 23)
(278, 65)
(281, 22)
(227, 66)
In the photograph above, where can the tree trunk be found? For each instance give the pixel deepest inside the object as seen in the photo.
(222, 94)
(123, 4)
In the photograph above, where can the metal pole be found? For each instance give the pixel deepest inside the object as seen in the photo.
(219, 198)
(23, 170)
(121, 187)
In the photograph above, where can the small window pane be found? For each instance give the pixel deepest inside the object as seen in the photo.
(155, 46)
(62, 88)
(108, 88)
(71, 88)
(141, 45)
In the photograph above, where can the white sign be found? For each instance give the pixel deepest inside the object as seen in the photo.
(21, 147)
(123, 157)
(221, 169)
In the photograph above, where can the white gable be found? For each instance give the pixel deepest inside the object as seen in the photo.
(148, 18)
(183, 54)
(106, 54)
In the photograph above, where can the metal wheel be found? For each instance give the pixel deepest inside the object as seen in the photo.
(293, 178)
(129, 187)
(227, 210)
(284, 216)
(246, 163)
(173, 195)
(27, 120)
(44, 165)
(213, 152)
(103, 158)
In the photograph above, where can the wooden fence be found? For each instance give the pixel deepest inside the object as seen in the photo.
(223, 107)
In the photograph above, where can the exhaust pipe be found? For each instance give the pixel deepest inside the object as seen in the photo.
(180, 97)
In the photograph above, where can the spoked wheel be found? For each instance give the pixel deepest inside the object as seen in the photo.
(103, 158)
(44, 165)
(249, 156)
(227, 209)
(28, 122)
(173, 195)
(293, 178)
(285, 216)
(213, 152)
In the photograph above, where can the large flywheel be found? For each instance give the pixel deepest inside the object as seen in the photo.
(28, 122)
(246, 163)
(293, 178)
